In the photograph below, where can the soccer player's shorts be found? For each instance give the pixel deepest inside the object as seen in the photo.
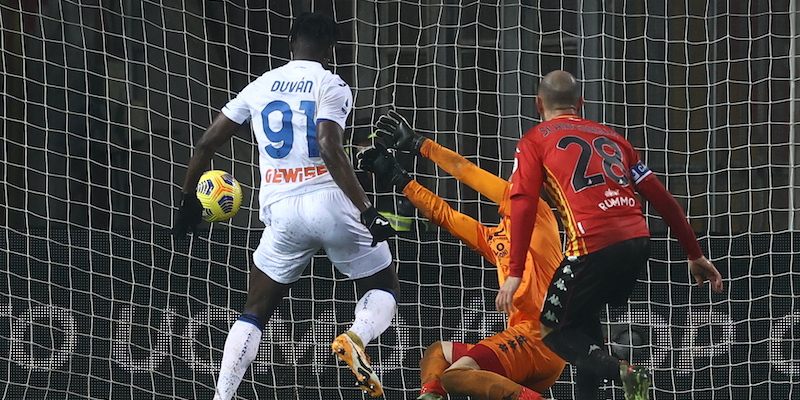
(582, 286)
(299, 226)
(517, 353)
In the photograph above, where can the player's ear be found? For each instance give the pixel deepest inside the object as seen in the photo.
(540, 106)
(580, 104)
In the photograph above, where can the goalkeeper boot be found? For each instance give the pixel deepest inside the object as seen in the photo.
(348, 351)
(635, 381)
(430, 396)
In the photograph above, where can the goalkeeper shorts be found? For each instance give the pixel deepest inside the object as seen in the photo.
(519, 354)
(324, 219)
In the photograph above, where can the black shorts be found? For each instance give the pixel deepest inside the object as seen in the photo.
(582, 286)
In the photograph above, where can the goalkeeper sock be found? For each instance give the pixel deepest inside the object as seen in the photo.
(432, 366)
(484, 385)
(240, 350)
(374, 313)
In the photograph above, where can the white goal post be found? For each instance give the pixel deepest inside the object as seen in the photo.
(103, 101)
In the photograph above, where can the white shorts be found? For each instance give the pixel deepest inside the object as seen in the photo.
(325, 219)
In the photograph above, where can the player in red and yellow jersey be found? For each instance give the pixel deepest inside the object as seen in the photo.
(513, 364)
(592, 175)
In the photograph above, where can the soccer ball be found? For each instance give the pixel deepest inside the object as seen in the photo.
(220, 195)
(627, 341)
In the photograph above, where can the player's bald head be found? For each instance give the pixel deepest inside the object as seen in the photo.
(560, 90)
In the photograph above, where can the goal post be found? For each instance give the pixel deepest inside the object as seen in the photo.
(103, 102)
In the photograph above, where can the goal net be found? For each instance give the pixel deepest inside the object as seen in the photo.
(103, 101)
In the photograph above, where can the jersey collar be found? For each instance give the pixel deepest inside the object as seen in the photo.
(306, 63)
(566, 116)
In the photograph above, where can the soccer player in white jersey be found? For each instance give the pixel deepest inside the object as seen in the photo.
(309, 199)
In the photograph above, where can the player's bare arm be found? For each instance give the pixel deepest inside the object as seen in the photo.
(189, 211)
(330, 137)
(218, 133)
(329, 141)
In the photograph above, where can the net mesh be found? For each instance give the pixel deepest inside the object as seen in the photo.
(104, 100)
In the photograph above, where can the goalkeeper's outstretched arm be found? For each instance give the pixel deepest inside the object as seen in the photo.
(382, 163)
(493, 187)
(462, 226)
(397, 133)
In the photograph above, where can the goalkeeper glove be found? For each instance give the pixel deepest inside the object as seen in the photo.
(380, 162)
(395, 131)
(190, 213)
(378, 225)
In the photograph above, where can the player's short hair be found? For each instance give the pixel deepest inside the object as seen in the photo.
(316, 28)
(559, 90)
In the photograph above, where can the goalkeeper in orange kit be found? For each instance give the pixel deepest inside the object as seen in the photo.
(515, 363)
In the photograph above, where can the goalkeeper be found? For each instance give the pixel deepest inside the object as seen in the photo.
(513, 364)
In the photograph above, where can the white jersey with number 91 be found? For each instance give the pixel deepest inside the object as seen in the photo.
(284, 106)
